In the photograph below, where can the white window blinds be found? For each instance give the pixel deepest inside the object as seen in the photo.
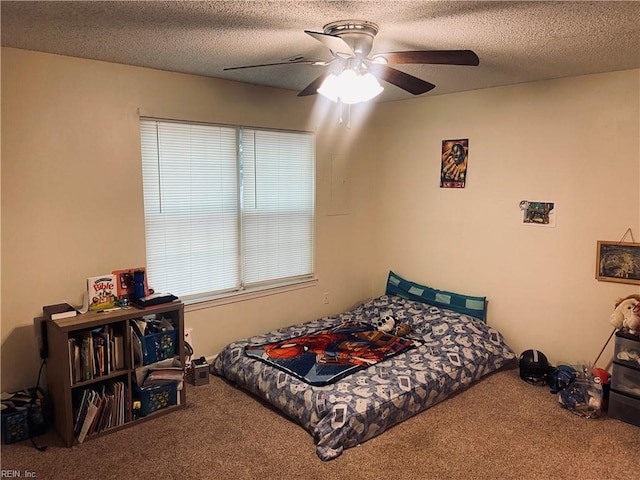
(226, 207)
(277, 205)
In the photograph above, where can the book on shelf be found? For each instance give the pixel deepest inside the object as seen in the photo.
(102, 340)
(97, 352)
(161, 375)
(99, 408)
(80, 413)
(102, 291)
(170, 368)
(86, 356)
(72, 359)
(103, 412)
(118, 352)
(117, 416)
(77, 365)
(91, 408)
(58, 311)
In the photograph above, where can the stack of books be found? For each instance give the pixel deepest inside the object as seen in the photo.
(94, 353)
(100, 408)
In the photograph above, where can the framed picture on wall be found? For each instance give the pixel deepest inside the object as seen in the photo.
(618, 262)
(453, 166)
(541, 214)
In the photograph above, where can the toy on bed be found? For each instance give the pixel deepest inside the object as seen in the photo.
(387, 323)
(626, 315)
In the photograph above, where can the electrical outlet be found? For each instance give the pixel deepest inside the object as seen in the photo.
(325, 298)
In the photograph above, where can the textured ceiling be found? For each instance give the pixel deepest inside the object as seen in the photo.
(516, 41)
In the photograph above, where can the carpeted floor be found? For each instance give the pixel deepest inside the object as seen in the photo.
(500, 428)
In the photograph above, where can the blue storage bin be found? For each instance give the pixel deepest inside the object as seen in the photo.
(158, 346)
(15, 426)
(157, 396)
(22, 419)
(624, 407)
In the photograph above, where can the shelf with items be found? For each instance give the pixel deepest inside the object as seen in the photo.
(100, 408)
(95, 367)
(97, 353)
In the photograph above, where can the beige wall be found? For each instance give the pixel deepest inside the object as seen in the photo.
(573, 141)
(70, 146)
(72, 193)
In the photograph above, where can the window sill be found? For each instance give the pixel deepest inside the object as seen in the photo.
(235, 297)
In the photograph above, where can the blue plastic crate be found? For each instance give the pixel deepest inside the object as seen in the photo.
(157, 396)
(15, 426)
(22, 419)
(158, 346)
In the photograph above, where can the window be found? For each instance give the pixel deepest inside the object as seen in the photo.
(226, 208)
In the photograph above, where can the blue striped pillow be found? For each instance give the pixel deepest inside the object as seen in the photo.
(465, 304)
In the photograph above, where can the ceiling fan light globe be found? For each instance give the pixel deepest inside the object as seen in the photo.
(360, 88)
(371, 86)
(350, 87)
(330, 88)
(347, 81)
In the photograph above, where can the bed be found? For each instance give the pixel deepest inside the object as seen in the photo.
(446, 351)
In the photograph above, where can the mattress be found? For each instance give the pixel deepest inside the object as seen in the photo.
(451, 351)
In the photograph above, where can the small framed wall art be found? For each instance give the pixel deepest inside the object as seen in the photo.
(453, 169)
(542, 214)
(618, 262)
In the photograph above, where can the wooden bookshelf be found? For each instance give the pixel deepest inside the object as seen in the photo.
(65, 388)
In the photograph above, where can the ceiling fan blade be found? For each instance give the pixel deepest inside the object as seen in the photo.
(313, 87)
(334, 43)
(411, 84)
(303, 61)
(443, 57)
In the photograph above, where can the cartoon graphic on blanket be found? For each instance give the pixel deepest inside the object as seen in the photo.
(323, 357)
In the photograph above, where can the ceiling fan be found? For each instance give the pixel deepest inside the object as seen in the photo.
(351, 42)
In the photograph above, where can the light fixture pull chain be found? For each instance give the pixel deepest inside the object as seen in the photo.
(349, 116)
(340, 108)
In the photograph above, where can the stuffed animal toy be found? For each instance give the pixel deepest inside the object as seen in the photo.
(627, 314)
(387, 323)
(403, 329)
